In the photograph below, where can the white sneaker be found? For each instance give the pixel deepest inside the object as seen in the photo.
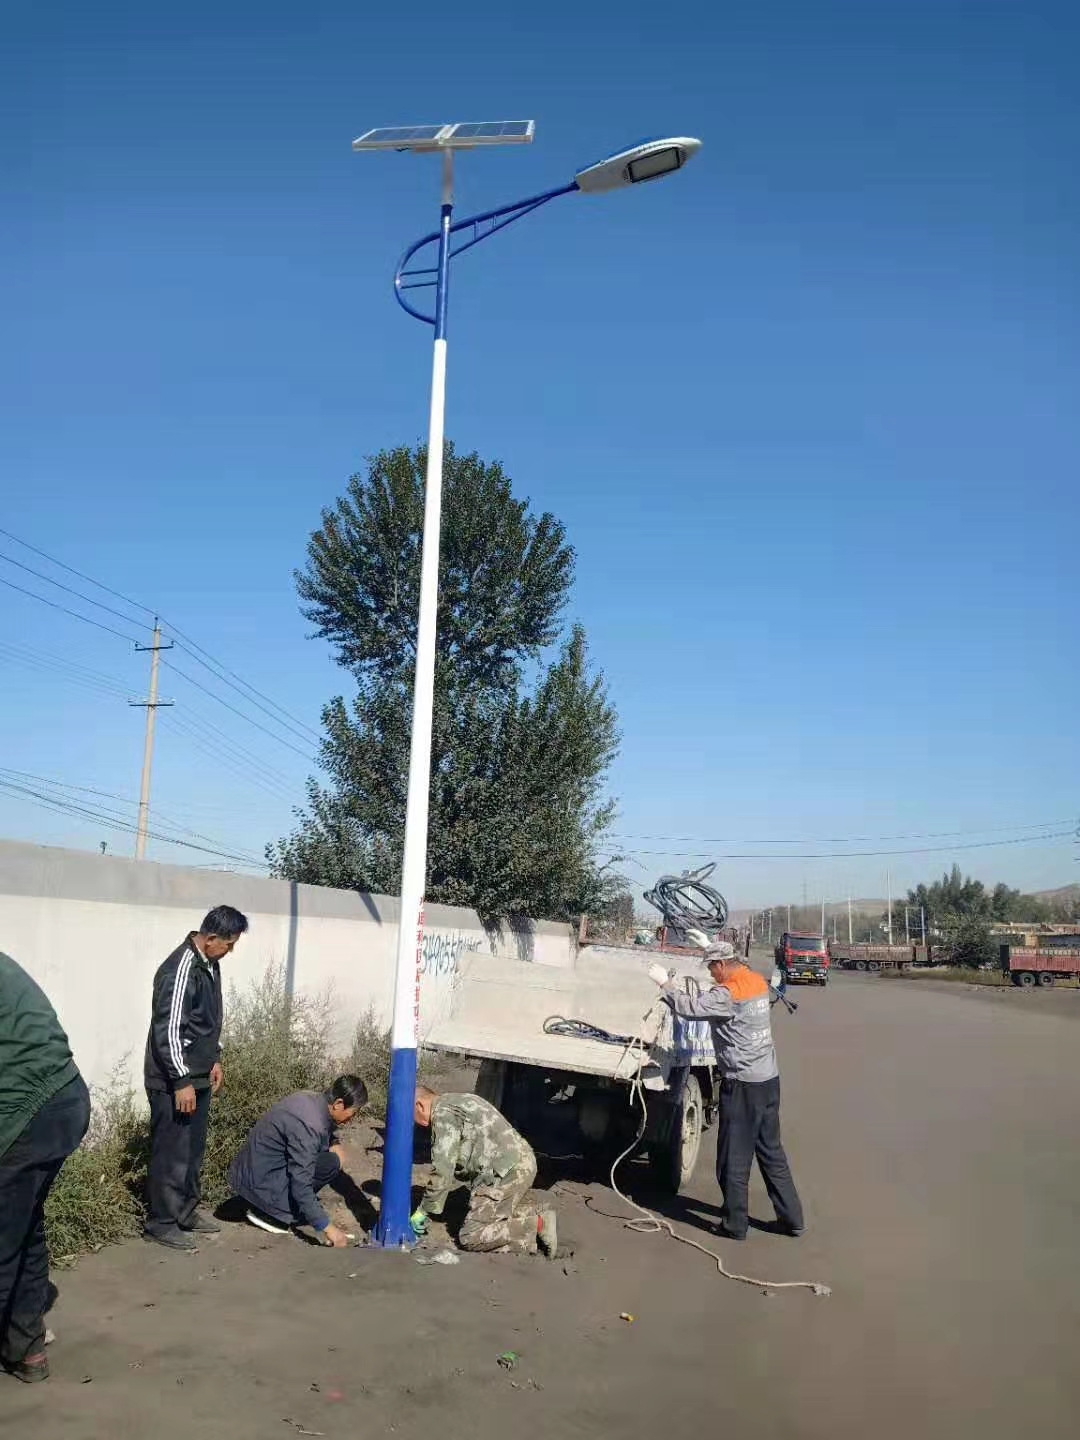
(265, 1222)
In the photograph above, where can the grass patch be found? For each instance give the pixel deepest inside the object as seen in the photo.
(271, 1046)
(955, 973)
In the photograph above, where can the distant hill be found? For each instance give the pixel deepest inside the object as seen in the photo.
(1063, 892)
(877, 906)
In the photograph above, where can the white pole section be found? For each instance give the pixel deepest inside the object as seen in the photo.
(394, 1228)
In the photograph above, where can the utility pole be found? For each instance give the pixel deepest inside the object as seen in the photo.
(823, 918)
(770, 925)
(849, 935)
(151, 706)
(789, 919)
(907, 927)
(888, 882)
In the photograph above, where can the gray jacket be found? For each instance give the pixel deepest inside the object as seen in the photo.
(276, 1168)
(738, 1013)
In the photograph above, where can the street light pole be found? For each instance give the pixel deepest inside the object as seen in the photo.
(394, 1228)
(646, 161)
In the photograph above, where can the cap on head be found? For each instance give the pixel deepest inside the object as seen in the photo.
(722, 953)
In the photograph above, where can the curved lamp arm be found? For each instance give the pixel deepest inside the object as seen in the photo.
(482, 227)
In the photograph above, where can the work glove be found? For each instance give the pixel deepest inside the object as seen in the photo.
(698, 938)
(658, 975)
(419, 1222)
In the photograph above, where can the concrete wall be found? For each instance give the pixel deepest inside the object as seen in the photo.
(92, 929)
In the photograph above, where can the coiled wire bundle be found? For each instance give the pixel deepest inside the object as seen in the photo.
(686, 902)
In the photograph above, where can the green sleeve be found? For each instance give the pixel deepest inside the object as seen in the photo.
(445, 1145)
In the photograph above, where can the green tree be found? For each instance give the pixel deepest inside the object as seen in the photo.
(955, 898)
(518, 769)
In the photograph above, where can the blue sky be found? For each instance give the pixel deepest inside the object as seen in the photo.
(809, 409)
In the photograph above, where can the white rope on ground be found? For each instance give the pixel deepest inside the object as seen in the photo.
(650, 1224)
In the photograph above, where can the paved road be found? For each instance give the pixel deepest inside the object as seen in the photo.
(936, 1138)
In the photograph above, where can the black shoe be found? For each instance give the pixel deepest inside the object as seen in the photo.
(31, 1370)
(725, 1234)
(172, 1239)
(202, 1224)
(791, 1231)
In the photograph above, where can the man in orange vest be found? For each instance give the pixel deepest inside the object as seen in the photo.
(737, 1009)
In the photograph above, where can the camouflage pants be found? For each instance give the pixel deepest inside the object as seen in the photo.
(496, 1218)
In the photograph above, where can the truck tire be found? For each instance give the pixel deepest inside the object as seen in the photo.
(1025, 978)
(873, 965)
(860, 964)
(673, 1160)
(1045, 978)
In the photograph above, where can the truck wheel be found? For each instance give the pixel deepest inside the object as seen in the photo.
(860, 964)
(1026, 979)
(673, 1160)
(873, 965)
(1045, 978)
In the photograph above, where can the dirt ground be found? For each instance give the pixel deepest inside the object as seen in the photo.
(935, 1135)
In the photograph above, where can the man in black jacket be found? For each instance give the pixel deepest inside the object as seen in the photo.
(182, 1070)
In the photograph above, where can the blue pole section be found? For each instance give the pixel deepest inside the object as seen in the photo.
(394, 1229)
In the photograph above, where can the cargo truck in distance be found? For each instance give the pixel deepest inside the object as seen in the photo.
(1052, 957)
(879, 957)
(803, 959)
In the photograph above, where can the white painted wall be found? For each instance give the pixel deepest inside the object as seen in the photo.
(93, 929)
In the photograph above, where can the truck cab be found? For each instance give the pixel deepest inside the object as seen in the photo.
(803, 958)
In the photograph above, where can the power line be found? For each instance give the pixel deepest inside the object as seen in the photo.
(98, 681)
(108, 795)
(68, 590)
(839, 839)
(135, 604)
(215, 735)
(73, 613)
(206, 746)
(258, 725)
(104, 817)
(203, 656)
(184, 642)
(858, 854)
(42, 667)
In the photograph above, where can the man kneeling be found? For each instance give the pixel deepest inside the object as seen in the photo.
(291, 1153)
(473, 1144)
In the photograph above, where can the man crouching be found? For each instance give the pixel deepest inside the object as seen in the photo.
(291, 1154)
(473, 1144)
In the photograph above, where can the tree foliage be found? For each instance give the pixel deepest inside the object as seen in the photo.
(516, 806)
(956, 897)
(961, 911)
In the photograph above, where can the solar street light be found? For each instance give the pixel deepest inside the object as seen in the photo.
(645, 161)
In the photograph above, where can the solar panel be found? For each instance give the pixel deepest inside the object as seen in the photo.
(447, 137)
(495, 130)
(396, 137)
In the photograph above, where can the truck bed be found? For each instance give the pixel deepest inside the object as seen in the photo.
(497, 1008)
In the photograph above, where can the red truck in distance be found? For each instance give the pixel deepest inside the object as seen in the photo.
(803, 958)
